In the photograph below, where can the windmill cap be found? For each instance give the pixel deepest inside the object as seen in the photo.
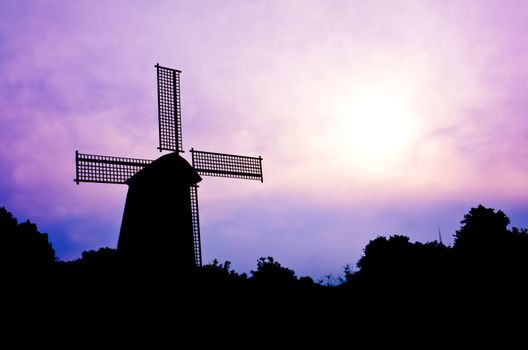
(169, 167)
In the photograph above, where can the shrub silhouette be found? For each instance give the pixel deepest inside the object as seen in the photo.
(100, 264)
(271, 273)
(218, 275)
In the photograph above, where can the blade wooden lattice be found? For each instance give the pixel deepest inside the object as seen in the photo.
(196, 226)
(227, 165)
(106, 169)
(169, 109)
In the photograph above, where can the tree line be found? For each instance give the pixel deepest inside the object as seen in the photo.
(486, 257)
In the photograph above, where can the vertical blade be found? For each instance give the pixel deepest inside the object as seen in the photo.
(196, 226)
(169, 109)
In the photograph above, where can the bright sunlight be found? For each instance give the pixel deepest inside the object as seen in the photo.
(373, 129)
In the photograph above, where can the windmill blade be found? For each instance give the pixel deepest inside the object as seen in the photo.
(169, 109)
(196, 226)
(227, 165)
(106, 169)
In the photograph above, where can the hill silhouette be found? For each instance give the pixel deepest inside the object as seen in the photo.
(482, 274)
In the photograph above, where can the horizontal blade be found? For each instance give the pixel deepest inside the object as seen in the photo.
(227, 165)
(106, 169)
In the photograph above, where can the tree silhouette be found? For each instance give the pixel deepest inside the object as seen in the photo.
(396, 266)
(24, 250)
(482, 229)
(487, 262)
(488, 255)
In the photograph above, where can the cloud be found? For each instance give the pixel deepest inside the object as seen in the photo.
(282, 81)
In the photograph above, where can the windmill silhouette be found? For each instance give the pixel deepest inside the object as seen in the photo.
(161, 223)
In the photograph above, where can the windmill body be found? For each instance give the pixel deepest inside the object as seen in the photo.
(157, 226)
(160, 226)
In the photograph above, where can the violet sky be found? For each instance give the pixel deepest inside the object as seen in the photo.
(373, 117)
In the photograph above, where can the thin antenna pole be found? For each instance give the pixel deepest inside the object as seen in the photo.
(440, 235)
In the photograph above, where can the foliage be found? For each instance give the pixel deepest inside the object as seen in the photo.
(271, 273)
(482, 229)
(24, 250)
(101, 263)
(486, 255)
(219, 275)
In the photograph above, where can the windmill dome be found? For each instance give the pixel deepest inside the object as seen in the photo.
(169, 167)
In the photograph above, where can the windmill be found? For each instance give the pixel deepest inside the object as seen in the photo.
(161, 217)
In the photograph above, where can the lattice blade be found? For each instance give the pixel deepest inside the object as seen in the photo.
(169, 109)
(227, 165)
(106, 169)
(196, 226)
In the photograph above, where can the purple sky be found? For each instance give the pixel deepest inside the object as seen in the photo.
(373, 117)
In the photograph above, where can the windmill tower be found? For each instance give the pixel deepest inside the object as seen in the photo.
(161, 224)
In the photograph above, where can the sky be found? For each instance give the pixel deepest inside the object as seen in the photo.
(372, 117)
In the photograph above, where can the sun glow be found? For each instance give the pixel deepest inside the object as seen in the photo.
(373, 129)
